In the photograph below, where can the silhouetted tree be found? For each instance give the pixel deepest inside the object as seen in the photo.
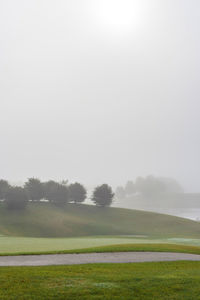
(56, 192)
(50, 188)
(62, 194)
(77, 192)
(4, 186)
(16, 198)
(103, 195)
(35, 189)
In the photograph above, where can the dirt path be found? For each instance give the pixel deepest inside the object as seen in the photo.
(73, 259)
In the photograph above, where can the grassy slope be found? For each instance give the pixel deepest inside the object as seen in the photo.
(139, 248)
(164, 280)
(109, 248)
(44, 220)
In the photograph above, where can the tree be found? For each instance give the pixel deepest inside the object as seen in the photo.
(120, 192)
(103, 195)
(155, 186)
(150, 186)
(171, 185)
(56, 192)
(62, 194)
(129, 188)
(34, 189)
(16, 198)
(77, 192)
(50, 190)
(4, 187)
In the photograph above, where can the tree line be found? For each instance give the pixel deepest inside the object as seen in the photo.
(149, 186)
(58, 193)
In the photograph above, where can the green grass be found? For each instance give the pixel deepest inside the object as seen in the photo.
(158, 281)
(45, 220)
(25, 246)
(47, 245)
(139, 248)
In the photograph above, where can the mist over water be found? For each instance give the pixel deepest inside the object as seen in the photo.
(192, 213)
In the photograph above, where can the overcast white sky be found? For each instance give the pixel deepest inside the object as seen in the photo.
(100, 90)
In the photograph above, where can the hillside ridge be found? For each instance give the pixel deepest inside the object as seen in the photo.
(76, 220)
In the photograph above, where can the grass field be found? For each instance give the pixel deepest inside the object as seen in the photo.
(31, 245)
(48, 229)
(20, 245)
(45, 220)
(164, 280)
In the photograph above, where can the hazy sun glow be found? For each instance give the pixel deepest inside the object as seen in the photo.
(119, 16)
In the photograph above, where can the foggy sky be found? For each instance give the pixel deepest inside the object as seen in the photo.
(89, 95)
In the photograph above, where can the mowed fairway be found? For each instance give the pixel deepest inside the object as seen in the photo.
(31, 245)
(21, 245)
(163, 280)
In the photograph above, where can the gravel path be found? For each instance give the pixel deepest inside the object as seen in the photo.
(88, 258)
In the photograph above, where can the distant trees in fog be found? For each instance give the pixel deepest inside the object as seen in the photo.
(103, 195)
(149, 186)
(61, 193)
(34, 188)
(77, 192)
(58, 193)
(130, 188)
(16, 198)
(4, 186)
